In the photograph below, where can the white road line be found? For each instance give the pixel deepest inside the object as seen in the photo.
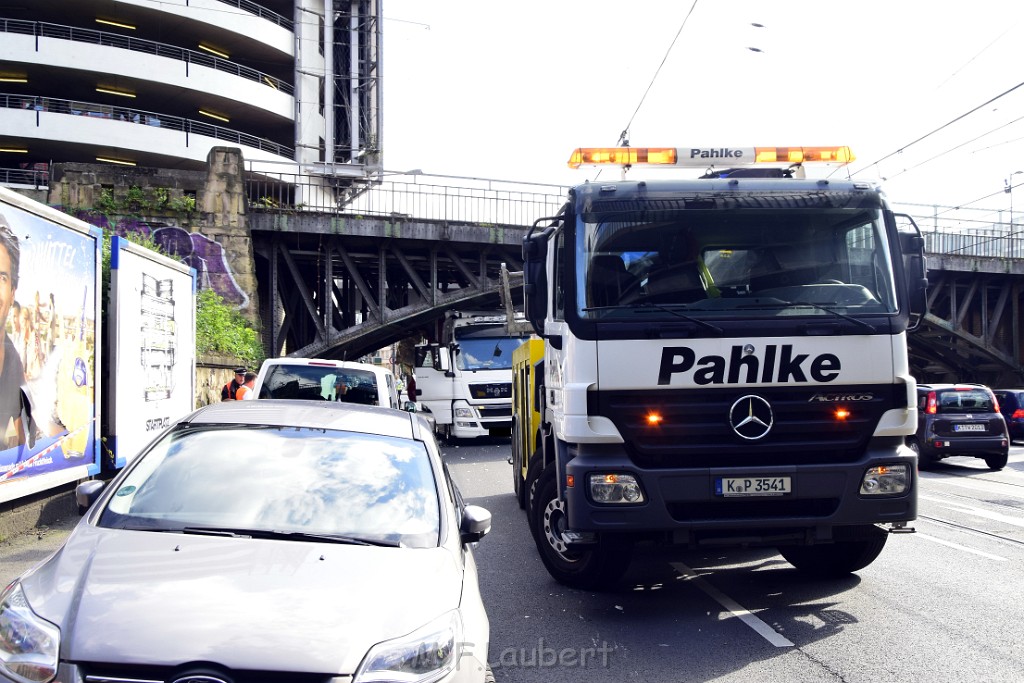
(960, 547)
(737, 610)
(977, 512)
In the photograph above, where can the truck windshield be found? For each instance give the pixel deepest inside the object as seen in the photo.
(735, 261)
(486, 353)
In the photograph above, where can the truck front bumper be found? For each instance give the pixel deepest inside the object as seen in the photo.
(691, 502)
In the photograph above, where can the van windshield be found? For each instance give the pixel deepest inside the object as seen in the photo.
(317, 383)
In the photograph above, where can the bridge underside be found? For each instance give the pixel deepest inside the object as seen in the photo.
(973, 330)
(343, 287)
(332, 294)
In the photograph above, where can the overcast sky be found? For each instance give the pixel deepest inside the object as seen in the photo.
(507, 90)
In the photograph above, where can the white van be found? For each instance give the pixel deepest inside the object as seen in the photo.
(323, 379)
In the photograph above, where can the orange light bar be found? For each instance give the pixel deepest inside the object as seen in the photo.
(622, 156)
(799, 155)
(703, 157)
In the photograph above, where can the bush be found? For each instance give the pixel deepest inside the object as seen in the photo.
(222, 329)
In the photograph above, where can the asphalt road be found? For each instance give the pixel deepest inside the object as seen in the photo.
(939, 605)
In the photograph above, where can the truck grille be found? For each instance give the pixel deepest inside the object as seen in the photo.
(695, 429)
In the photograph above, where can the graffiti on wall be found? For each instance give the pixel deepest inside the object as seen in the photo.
(200, 252)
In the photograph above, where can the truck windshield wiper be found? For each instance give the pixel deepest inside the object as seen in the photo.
(820, 307)
(235, 532)
(672, 309)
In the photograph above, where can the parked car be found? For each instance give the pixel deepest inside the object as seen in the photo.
(323, 379)
(959, 419)
(1011, 405)
(257, 541)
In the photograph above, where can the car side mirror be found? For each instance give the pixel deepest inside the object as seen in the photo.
(87, 493)
(476, 523)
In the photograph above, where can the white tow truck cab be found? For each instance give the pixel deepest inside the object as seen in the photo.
(725, 363)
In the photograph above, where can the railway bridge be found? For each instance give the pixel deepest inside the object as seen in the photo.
(387, 261)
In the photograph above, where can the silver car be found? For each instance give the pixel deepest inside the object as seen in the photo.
(263, 540)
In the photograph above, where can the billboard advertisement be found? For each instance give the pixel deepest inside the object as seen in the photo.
(50, 311)
(151, 345)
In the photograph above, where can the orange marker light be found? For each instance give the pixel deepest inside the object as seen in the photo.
(570, 480)
(654, 419)
(841, 414)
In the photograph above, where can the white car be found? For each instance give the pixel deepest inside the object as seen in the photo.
(324, 379)
(262, 541)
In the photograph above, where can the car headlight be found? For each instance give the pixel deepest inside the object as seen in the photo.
(28, 643)
(427, 654)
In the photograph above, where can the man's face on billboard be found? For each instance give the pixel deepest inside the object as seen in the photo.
(6, 284)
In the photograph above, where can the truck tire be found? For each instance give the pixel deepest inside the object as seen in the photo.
(839, 558)
(598, 567)
(996, 462)
(533, 474)
(924, 462)
(518, 485)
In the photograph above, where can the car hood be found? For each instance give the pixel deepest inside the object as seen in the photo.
(164, 599)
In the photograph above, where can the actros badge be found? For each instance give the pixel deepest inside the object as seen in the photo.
(751, 417)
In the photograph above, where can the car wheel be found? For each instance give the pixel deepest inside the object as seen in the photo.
(597, 567)
(839, 558)
(997, 462)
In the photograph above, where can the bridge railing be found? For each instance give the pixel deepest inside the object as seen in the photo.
(410, 196)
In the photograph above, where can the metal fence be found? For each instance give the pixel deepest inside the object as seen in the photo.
(138, 116)
(262, 12)
(41, 29)
(419, 196)
(25, 177)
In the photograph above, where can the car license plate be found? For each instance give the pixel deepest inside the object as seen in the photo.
(753, 486)
(968, 428)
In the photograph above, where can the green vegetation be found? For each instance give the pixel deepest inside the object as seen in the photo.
(222, 329)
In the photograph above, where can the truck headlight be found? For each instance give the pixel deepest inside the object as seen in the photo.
(465, 412)
(612, 487)
(885, 480)
(28, 643)
(427, 654)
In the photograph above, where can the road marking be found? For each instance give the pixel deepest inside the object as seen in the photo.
(960, 547)
(737, 610)
(977, 512)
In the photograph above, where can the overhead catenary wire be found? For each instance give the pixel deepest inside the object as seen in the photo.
(624, 135)
(940, 128)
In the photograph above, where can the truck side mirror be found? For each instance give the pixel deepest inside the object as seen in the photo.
(915, 269)
(535, 279)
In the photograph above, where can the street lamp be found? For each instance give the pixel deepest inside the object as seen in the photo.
(1008, 189)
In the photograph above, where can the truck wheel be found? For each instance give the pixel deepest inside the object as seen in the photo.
(924, 462)
(518, 485)
(533, 474)
(836, 559)
(599, 566)
(996, 462)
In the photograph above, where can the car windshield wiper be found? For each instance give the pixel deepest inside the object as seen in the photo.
(671, 309)
(237, 532)
(820, 307)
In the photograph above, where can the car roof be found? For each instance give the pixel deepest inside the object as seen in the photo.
(309, 414)
(952, 385)
(326, 362)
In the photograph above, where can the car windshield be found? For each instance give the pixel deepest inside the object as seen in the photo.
(321, 383)
(286, 479)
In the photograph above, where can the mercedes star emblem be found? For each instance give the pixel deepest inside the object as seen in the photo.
(751, 417)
